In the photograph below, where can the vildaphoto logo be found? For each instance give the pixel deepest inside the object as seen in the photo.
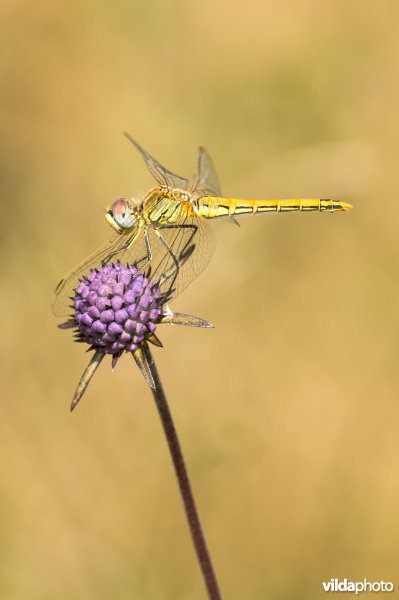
(357, 587)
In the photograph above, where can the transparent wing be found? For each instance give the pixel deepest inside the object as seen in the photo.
(162, 175)
(180, 252)
(207, 183)
(111, 251)
(176, 255)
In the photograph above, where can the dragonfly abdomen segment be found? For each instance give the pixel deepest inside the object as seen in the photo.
(212, 207)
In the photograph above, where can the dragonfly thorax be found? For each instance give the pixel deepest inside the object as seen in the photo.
(176, 194)
(163, 207)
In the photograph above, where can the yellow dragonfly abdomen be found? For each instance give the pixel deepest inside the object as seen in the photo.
(212, 207)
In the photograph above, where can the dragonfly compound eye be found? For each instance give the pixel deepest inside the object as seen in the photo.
(119, 216)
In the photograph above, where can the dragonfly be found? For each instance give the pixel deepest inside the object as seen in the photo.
(166, 232)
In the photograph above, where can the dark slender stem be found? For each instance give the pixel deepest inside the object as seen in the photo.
(184, 483)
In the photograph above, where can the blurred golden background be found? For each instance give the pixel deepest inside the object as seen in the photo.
(288, 410)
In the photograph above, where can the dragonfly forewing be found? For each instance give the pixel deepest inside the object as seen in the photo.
(114, 249)
(173, 254)
(161, 174)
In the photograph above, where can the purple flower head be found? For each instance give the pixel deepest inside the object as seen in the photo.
(116, 308)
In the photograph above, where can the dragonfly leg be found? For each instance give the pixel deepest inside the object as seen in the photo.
(184, 255)
(187, 249)
(142, 262)
(120, 249)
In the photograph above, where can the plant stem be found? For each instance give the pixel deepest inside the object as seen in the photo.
(184, 482)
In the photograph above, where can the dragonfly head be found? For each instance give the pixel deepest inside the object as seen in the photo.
(120, 216)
